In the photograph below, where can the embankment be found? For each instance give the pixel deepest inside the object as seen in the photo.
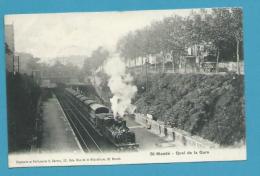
(210, 106)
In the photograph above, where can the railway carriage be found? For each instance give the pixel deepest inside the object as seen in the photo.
(102, 119)
(83, 98)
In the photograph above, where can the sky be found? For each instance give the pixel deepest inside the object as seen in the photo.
(63, 34)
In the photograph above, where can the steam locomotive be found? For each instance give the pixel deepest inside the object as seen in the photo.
(103, 121)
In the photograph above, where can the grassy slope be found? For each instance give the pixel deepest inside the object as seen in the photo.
(211, 106)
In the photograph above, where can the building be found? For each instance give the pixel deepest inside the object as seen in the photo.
(12, 61)
(36, 74)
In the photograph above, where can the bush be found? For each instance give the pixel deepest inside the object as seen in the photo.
(22, 103)
(211, 106)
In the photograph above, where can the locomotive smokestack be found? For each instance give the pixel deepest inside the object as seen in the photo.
(120, 84)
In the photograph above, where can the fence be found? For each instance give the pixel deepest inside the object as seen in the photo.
(189, 68)
(232, 66)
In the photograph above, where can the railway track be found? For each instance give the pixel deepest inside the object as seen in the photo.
(89, 139)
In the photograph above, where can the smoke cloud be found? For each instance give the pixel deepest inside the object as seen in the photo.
(120, 84)
(95, 80)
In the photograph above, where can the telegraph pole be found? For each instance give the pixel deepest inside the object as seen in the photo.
(146, 76)
(18, 62)
(13, 65)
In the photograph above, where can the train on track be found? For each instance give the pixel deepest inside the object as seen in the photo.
(102, 120)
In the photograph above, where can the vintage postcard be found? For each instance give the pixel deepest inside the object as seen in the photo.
(129, 87)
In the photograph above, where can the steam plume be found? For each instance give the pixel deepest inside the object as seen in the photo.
(120, 84)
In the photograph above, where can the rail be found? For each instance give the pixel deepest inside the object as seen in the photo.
(75, 118)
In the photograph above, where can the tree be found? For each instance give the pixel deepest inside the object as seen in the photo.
(221, 28)
(226, 32)
(127, 47)
(96, 59)
(33, 64)
(236, 25)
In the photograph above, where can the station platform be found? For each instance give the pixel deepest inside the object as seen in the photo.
(144, 137)
(58, 136)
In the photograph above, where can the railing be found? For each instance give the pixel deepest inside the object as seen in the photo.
(151, 68)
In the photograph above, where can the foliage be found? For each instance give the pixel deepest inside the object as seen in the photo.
(96, 59)
(222, 27)
(22, 103)
(210, 106)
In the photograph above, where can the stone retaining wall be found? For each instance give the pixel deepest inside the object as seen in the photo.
(173, 134)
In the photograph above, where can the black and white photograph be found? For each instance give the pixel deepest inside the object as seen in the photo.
(125, 87)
